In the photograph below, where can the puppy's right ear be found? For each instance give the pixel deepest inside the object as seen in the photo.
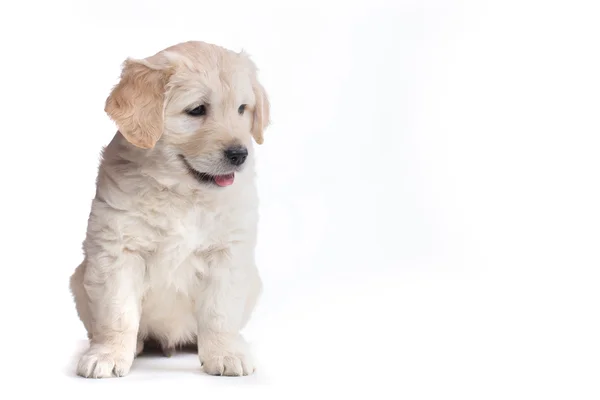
(136, 103)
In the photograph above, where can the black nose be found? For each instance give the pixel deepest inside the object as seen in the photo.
(236, 155)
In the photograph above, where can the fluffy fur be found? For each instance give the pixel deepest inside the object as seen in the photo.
(169, 257)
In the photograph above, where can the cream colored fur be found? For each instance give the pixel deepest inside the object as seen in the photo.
(167, 257)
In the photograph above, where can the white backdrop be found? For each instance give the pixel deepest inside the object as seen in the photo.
(429, 194)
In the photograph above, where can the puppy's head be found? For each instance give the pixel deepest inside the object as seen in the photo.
(199, 102)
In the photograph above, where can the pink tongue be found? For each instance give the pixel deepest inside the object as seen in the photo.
(224, 180)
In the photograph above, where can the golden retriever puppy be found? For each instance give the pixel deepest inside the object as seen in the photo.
(169, 248)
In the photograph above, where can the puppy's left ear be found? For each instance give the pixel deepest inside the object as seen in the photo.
(262, 109)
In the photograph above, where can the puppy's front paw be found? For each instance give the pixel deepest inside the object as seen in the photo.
(234, 365)
(104, 362)
(226, 356)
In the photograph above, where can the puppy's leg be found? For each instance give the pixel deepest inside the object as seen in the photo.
(224, 307)
(254, 292)
(81, 298)
(113, 285)
(139, 347)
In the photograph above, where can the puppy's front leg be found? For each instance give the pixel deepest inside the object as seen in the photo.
(224, 307)
(113, 285)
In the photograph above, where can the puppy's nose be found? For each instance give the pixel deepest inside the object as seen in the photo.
(236, 155)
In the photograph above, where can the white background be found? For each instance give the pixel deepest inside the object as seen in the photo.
(430, 221)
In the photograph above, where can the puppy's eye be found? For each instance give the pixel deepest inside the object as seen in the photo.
(198, 111)
(241, 109)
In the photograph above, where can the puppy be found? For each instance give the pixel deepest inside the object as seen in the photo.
(169, 248)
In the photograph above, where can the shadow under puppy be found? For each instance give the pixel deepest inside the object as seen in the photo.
(169, 248)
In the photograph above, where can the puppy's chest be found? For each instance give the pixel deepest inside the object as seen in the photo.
(179, 259)
(197, 230)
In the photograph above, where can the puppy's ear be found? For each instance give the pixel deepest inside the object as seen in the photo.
(136, 103)
(261, 117)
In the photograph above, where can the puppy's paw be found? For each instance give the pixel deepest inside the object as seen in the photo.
(225, 355)
(104, 362)
(233, 365)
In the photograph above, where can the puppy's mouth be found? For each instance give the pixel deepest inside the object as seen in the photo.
(203, 177)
